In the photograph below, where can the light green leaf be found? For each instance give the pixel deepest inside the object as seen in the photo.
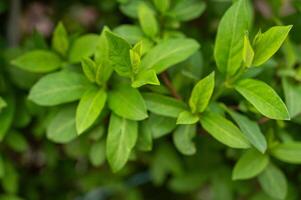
(248, 52)
(230, 37)
(147, 20)
(182, 138)
(163, 105)
(250, 164)
(168, 53)
(128, 103)
(289, 152)
(89, 68)
(251, 130)
(145, 138)
(130, 33)
(224, 130)
(97, 154)
(269, 42)
(162, 5)
(121, 139)
(38, 61)
(160, 125)
(83, 47)
(119, 54)
(263, 98)
(62, 127)
(292, 95)
(145, 77)
(89, 108)
(7, 116)
(57, 88)
(186, 117)
(201, 94)
(60, 42)
(186, 10)
(273, 182)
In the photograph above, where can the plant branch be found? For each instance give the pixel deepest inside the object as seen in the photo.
(168, 84)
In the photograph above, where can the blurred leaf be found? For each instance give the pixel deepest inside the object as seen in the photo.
(182, 138)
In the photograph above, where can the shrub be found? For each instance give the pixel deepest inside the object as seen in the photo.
(144, 111)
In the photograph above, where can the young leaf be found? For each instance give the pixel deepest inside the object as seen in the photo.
(121, 139)
(162, 5)
(230, 37)
(89, 108)
(147, 20)
(38, 61)
(57, 88)
(60, 42)
(186, 10)
(289, 152)
(145, 138)
(163, 105)
(130, 33)
(248, 52)
(119, 54)
(186, 117)
(127, 102)
(224, 130)
(89, 68)
(251, 130)
(168, 53)
(201, 94)
(269, 42)
(145, 77)
(273, 182)
(62, 127)
(292, 95)
(182, 138)
(250, 165)
(83, 47)
(263, 98)
(97, 154)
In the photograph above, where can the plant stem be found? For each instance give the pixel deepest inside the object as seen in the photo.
(167, 82)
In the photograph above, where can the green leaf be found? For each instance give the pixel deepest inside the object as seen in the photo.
(119, 54)
(273, 182)
(263, 98)
(248, 52)
(57, 88)
(160, 125)
(186, 117)
(269, 42)
(224, 130)
(251, 130)
(145, 138)
(289, 152)
(127, 102)
(60, 42)
(89, 108)
(2, 167)
(3, 104)
(182, 138)
(97, 154)
(7, 116)
(38, 61)
(17, 141)
(121, 139)
(250, 165)
(62, 127)
(168, 53)
(145, 77)
(186, 10)
(147, 20)
(162, 5)
(89, 68)
(163, 105)
(83, 47)
(230, 37)
(130, 33)
(292, 95)
(201, 94)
